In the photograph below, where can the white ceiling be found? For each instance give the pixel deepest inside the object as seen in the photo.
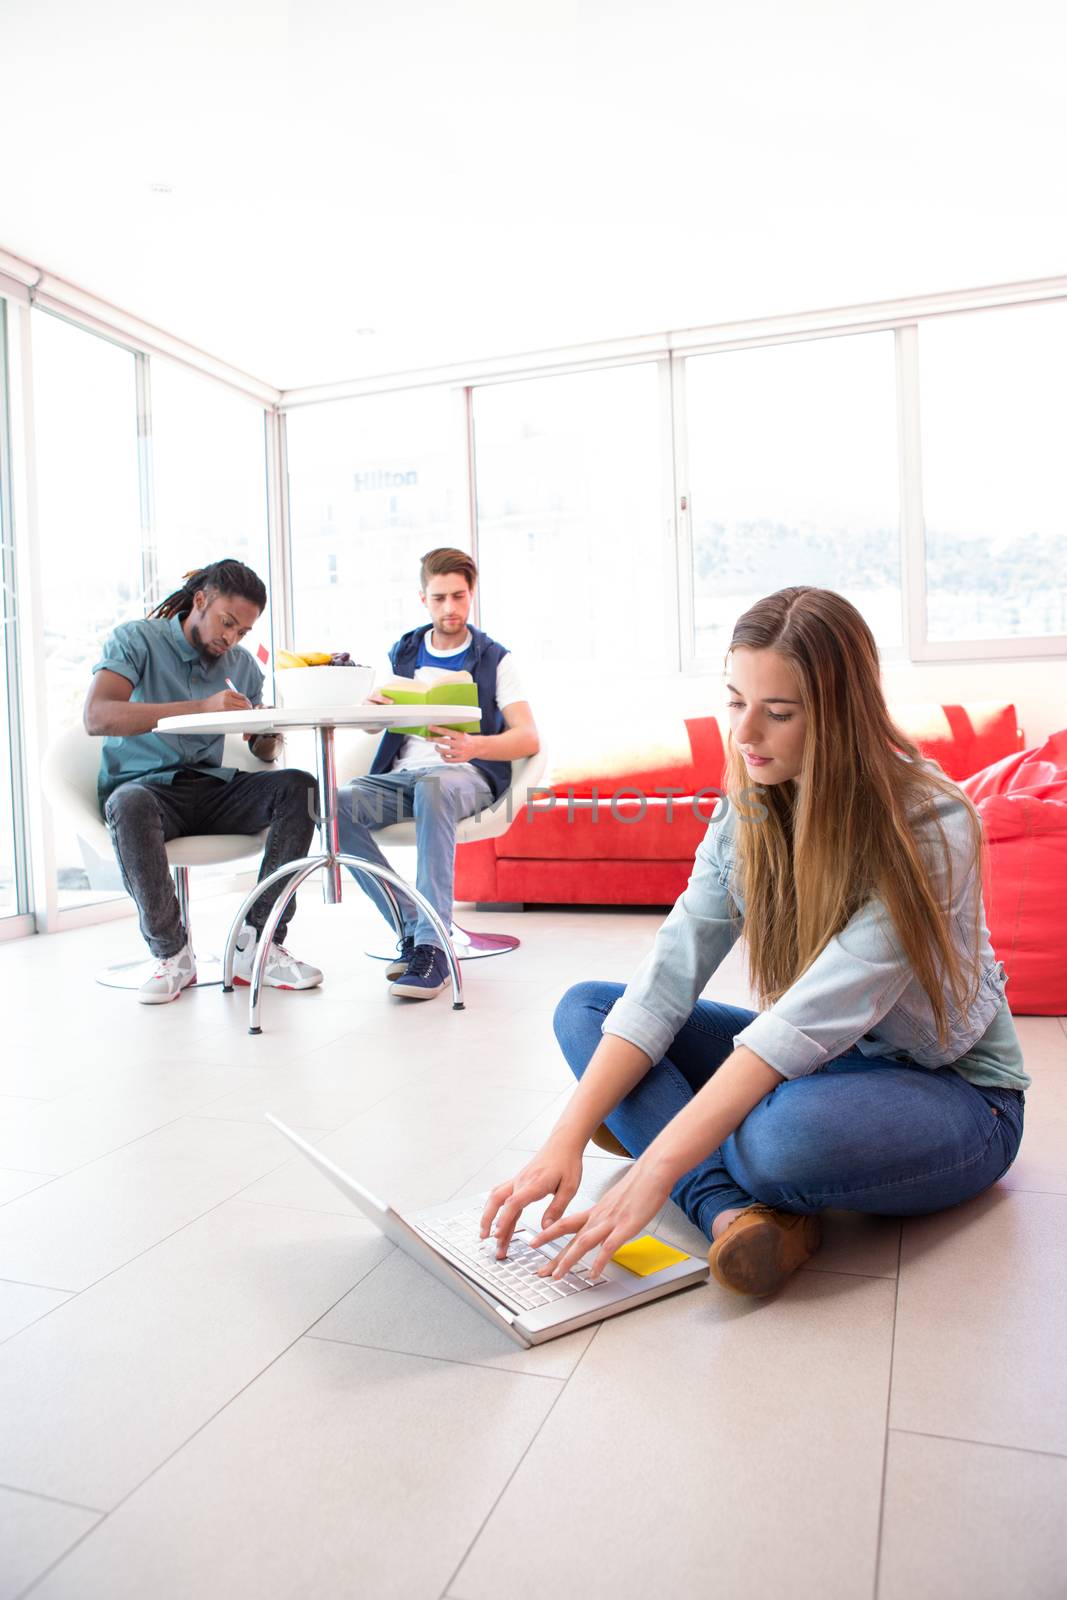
(478, 178)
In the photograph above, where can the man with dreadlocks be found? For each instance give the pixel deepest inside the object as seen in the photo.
(154, 787)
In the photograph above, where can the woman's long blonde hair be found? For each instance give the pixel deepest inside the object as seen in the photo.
(845, 831)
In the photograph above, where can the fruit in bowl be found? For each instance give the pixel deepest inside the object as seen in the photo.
(329, 678)
(288, 659)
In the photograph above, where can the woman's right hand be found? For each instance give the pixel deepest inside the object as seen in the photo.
(555, 1170)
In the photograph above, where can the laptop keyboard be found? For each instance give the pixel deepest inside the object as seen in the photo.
(514, 1280)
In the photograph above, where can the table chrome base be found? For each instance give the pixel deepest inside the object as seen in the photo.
(296, 872)
(131, 974)
(467, 945)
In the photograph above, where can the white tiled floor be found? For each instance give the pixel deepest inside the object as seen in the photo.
(217, 1381)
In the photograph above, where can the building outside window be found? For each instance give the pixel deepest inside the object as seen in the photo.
(373, 484)
(793, 478)
(575, 563)
(209, 477)
(89, 526)
(994, 417)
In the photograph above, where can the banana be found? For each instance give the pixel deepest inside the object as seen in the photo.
(316, 658)
(286, 658)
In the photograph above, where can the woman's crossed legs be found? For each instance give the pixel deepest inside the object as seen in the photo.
(861, 1134)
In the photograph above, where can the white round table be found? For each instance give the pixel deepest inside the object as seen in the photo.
(323, 720)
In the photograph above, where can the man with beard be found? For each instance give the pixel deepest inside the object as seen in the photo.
(186, 658)
(443, 777)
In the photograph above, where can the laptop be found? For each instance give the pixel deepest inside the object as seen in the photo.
(445, 1240)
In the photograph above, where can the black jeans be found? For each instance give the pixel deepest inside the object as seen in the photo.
(142, 817)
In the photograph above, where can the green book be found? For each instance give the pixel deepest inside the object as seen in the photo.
(437, 688)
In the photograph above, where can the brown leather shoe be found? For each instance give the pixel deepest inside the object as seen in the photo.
(604, 1139)
(761, 1247)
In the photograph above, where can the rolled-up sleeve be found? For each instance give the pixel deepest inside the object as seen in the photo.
(125, 652)
(848, 988)
(693, 940)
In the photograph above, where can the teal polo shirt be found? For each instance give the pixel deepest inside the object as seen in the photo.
(155, 656)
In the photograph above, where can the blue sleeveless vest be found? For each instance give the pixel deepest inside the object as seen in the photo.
(484, 659)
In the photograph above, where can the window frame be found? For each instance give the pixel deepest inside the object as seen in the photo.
(43, 912)
(20, 920)
(23, 286)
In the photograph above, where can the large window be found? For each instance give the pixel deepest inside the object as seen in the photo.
(994, 417)
(575, 562)
(10, 782)
(8, 888)
(210, 483)
(793, 478)
(89, 522)
(373, 485)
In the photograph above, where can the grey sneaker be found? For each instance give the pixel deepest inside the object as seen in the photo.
(282, 971)
(172, 975)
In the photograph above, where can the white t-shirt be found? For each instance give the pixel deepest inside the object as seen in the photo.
(416, 752)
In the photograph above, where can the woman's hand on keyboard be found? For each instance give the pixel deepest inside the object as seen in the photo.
(627, 1208)
(556, 1169)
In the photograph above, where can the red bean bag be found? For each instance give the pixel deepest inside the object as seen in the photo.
(1022, 802)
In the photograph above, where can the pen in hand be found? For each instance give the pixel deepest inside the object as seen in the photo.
(235, 690)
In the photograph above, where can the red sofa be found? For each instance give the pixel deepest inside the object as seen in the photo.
(599, 834)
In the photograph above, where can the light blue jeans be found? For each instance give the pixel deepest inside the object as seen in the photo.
(437, 798)
(861, 1133)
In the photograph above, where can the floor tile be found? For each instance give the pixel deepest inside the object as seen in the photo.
(23, 1303)
(685, 1411)
(324, 1088)
(980, 1316)
(402, 1307)
(14, 1182)
(1042, 1160)
(72, 1231)
(689, 1431)
(292, 1024)
(33, 1534)
(389, 1465)
(537, 1130)
(75, 1128)
(974, 1520)
(1043, 1042)
(413, 1149)
(104, 1389)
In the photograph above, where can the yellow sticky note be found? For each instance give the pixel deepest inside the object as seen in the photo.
(647, 1255)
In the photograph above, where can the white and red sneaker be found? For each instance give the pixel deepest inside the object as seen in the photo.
(282, 970)
(172, 975)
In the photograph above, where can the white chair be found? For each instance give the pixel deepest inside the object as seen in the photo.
(354, 756)
(68, 774)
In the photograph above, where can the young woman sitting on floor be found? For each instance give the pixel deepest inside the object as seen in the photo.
(882, 1074)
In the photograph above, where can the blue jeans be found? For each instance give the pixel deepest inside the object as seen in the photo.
(861, 1133)
(437, 798)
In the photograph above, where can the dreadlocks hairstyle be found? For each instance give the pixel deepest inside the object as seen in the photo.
(223, 577)
(845, 831)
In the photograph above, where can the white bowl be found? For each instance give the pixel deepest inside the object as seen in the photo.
(298, 688)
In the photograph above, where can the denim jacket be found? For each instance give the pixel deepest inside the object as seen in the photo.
(859, 991)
